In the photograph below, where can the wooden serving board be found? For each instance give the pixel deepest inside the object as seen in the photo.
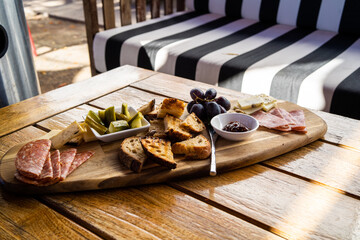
(104, 170)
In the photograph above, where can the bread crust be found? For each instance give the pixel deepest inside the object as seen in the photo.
(162, 157)
(193, 124)
(192, 149)
(171, 106)
(128, 159)
(174, 130)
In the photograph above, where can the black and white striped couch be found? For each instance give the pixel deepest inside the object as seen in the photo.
(303, 51)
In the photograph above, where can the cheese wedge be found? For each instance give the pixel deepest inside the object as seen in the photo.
(88, 135)
(64, 136)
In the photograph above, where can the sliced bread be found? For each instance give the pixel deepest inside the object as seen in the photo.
(157, 128)
(193, 123)
(159, 151)
(131, 154)
(174, 130)
(194, 148)
(171, 106)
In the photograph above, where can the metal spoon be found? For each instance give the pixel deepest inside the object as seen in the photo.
(213, 137)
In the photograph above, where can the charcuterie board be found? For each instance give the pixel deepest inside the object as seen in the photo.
(104, 170)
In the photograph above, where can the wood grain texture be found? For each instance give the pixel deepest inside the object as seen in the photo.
(140, 7)
(177, 87)
(125, 12)
(168, 6)
(91, 27)
(63, 120)
(155, 8)
(26, 218)
(132, 96)
(25, 134)
(154, 212)
(294, 208)
(180, 5)
(341, 130)
(325, 163)
(108, 14)
(35, 109)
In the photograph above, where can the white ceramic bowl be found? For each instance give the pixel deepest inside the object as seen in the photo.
(109, 137)
(218, 123)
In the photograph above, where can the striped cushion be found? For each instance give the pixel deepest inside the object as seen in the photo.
(332, 15)
(314, 68)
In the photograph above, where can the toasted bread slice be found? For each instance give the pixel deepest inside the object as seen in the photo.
(132, 154)
(193, 123)
(194, 148)
(174, 130)
(157, 128)
(159, 151)
(171, 106)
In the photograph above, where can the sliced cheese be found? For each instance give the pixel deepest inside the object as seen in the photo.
(250, 102)
(76, 140)
(64, 136)
(269, 106)
(88, 135)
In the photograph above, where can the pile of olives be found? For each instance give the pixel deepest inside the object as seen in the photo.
(206, 105)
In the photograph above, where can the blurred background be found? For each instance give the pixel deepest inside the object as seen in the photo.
(58, 33)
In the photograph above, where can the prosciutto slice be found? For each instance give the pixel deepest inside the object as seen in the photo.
(271, 121)
(282, 120)
(299, 116)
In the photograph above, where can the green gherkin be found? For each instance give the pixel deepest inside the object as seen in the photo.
(95, 125)
(110, 115)
(125, 110)
(117, 126)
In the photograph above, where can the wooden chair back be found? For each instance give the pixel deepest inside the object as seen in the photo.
(108, 10)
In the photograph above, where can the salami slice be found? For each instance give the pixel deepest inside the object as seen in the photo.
(31, 158)
(80, 158)
(66, 159)
(47, 171)
(55, 162)
(32, 181)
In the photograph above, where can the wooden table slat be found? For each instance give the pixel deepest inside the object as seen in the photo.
(132, 96)
(64, 119)
(25, 134)
(40, 107)
(26, 218)
(177, 87)
(152, 212)
(325, 163)
(297, 208)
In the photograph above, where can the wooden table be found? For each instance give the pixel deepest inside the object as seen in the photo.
(309, 193)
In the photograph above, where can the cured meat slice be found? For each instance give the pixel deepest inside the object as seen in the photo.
(80, 158)
(299, 116)
(47, 171)
(32, 181)
(31, 158)
(55, 162)
(271, 121)
(66, 159)
(282, 113)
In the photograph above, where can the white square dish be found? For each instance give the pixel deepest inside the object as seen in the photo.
(109, 137)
